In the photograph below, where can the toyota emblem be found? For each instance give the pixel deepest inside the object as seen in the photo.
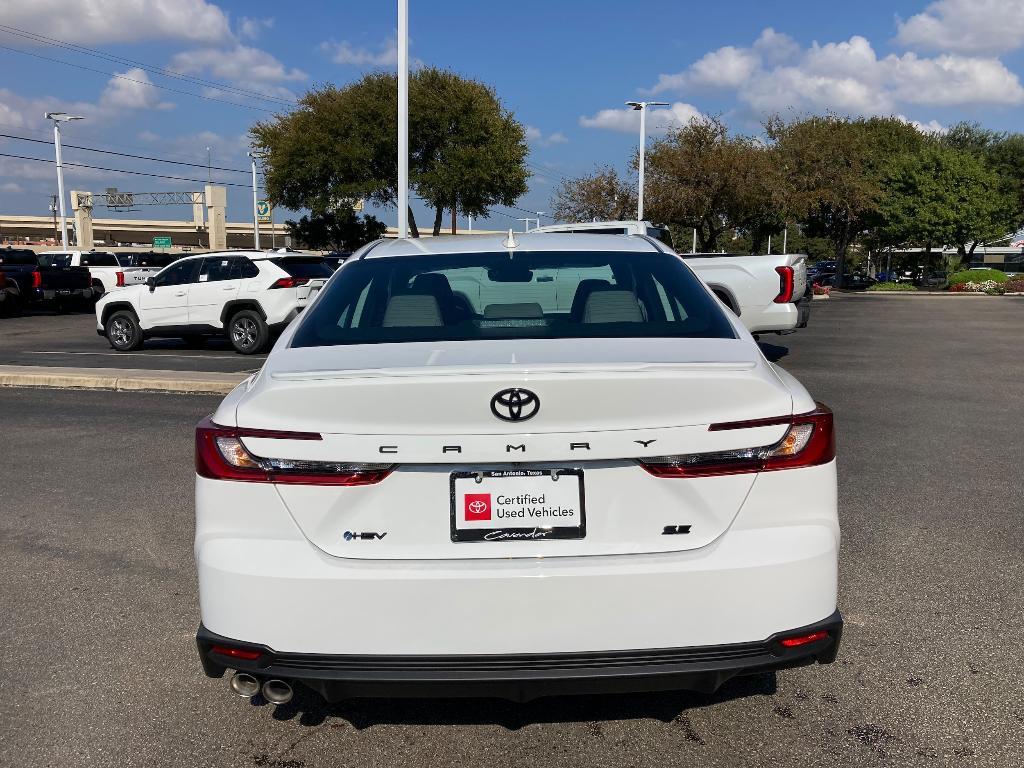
(515, 404)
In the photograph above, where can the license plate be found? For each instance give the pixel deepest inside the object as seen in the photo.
(518, 505)
(63, 292)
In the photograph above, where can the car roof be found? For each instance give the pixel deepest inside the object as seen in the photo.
(526, 242)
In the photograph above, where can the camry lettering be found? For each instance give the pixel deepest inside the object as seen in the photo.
(510, 448)
(576, 446)
(388, 449)
(452, 449)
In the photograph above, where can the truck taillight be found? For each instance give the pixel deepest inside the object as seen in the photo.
(809, 441)
(221, 455)
(120, 279)
(785, 285)
(290, 282)
(37, 279)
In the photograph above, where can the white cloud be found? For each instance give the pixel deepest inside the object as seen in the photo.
(536, 136)
(659, 120)
(113, 21)
(846, 76)
(386, 54)
(966, 26)
(12, 187)
(932, 126)
(132, 90)
(242, 65)
(17, 111)
(252, 29)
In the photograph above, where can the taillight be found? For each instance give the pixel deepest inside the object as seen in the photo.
(37, 279)
(120, 279)
(246, 654)
(290, 282)
(221, 455)
(785, 285)
(797, 640)
(809, 441)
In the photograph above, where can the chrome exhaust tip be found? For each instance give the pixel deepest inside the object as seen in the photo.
(277, 692)
(244, 685)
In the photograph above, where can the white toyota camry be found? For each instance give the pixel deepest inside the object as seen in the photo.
(514, 467)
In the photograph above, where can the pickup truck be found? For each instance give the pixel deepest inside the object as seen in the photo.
(59, 284)
(768, 292)
(108, 270)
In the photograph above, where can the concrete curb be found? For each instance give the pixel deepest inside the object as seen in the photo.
(119, 379)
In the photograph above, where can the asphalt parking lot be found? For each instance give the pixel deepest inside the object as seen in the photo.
(100, 606)
(49, 339)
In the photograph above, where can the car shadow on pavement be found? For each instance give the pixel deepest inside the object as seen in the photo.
(308, 709)
(774, 352)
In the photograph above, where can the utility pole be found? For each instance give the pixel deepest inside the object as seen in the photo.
(53, 210)
(255, 205)
(526, 223)
(58, 118)
(785, 238)
(641, 107)
(209, 167)
(403, 118)
(694, 248)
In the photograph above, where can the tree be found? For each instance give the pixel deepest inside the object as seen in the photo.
(699, 177)
(602, 196)
(339, 230)
(940, 196)
(831, 170)
(467, 152)
(1002, 152)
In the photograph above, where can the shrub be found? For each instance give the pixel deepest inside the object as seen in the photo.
(821, 290)
(1014, 285)
(892, 287)
(977, 276)
(991, 287)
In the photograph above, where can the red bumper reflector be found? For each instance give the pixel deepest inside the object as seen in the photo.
(793, 642)
(236, 653)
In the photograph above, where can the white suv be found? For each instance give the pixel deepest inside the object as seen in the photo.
(247, 295)
(513, 468)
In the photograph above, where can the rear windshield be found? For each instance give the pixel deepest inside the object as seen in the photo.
(55, 259)
(304, 266)
(151, 259)
(522, 296)
(19, 258)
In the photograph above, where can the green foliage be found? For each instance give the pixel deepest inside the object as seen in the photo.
(603, 196)
(977, 276)
(701, 177)
(892, 287)
(467, 152)
(339, 230)
(940, 195)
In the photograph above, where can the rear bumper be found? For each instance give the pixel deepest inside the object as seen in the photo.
(522, 677)
(49, 294)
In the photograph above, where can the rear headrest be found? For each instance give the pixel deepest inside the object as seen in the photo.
(412, 310)
(583, 291)
(433, 283)
(612, 306)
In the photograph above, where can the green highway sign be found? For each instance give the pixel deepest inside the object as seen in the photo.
(161, 242)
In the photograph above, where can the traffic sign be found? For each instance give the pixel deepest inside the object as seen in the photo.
(263, 211)
(161, 242)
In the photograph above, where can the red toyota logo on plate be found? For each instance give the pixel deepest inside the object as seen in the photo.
(478, 506)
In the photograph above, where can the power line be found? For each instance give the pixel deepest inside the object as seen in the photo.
(133, 80)
(125, 154)
(43, 39)
(122, 170)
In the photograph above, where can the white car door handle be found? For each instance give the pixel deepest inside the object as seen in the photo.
(228, 288)
(179, 293)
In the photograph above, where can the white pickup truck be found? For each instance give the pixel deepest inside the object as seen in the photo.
(766, 291)
(108, 270)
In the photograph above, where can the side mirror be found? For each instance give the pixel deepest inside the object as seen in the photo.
(151, 282)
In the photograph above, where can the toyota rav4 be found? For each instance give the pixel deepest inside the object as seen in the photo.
(514, 467)
(247, 295)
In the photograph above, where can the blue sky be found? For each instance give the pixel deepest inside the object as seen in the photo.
(563, 68)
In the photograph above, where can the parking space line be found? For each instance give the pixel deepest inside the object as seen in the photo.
(141, 354)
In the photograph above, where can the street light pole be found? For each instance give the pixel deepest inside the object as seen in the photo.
(255, 204)
(403, 118)
(58, 118)
(641, 107)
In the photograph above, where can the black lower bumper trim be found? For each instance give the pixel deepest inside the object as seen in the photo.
(522, 677)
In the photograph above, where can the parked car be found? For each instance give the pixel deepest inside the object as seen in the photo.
(157, 259)
(850, 282)
(247, 295)
(108, 270)
(767, 292)
(514, 467)
(54, 283)
(10, 295)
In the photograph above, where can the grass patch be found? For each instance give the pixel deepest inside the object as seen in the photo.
(892, 287)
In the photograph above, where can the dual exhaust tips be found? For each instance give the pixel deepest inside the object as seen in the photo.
(275, 691)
